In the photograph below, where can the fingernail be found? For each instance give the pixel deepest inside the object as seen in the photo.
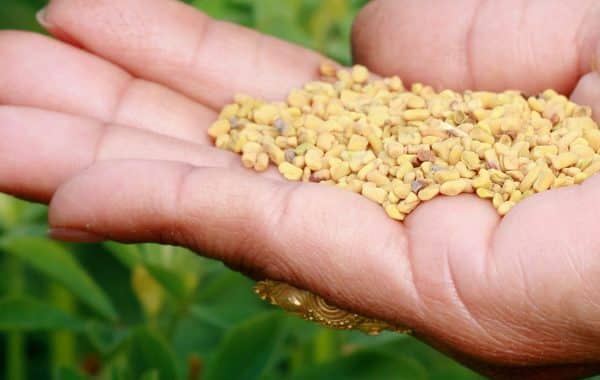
(40, 16)
(73, 235)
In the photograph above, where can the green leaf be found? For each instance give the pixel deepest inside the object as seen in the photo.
(23, 313)
(248, 349)
(229, 299)
(67, 373)
(106, 339)
(150, 375)
(149, 351)
(368, 364)
(56, 262)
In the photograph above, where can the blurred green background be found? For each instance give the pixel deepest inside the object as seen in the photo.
(110, 311)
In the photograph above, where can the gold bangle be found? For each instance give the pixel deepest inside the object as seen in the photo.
(314, 308)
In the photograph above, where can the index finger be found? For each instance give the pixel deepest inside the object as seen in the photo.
(476, 44)
(176, 45)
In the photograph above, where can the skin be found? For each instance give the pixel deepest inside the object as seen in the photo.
(108, 125)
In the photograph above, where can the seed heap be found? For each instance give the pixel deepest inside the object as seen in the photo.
(400, 147)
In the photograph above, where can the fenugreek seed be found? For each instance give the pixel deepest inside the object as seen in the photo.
(393, 212)
(360, 74)
(580, 177)
(399, 148)
(594, 167)
(314, 159)
(357, 143)
(564, 160)
(530, 178)
(471, 160)
(266, 114)
(416, 114)
(454, 187)
(442, 176)
(401, 189)
(505, 207)
(289, 171)
(484, 193)
(544, 180)
(321, 175)
(262, 162)
(497, 200)
(339, 170)
(374, 193)
(429, 192)
(218, 128)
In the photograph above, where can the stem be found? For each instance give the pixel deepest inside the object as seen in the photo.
(62, 343)
(326, 346)
(15, 353)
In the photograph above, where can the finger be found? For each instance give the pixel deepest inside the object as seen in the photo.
(65, 79)
(473, 44)
(176, 45)
(320, 238)
(35, 162)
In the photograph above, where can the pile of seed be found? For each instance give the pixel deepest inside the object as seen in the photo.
(401, 147)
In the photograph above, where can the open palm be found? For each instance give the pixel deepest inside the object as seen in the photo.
(110, 126)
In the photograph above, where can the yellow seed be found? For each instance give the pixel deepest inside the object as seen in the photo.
(416, 114)
(401, 189)
(393, 212)
(446, 175)
(289, 171)
(429, 192)
(223, 141)
(218, 128)
(340, 170)
(580, 177)
(455, 154)
(593, 168)
(377, 178)
(360, 74)
(262, 162)
(564, 160)
(298, 98)
(593, 138)
(530, 178)
(249, 159)
(516, 196)
(314, 159)
(454, 187)
(544, 180)
(266, 114)
(408, 204)
(374, 193)
(471, 160)
(505, 207)
(325, 141)
(276, 155)
(497, 200)
(376, 143)
(362, 173)
(357, 143)
(484, 193)
(416, 102)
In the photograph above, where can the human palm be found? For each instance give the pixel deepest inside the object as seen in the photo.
(110, 126)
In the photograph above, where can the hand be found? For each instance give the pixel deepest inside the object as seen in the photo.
(128, 159)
